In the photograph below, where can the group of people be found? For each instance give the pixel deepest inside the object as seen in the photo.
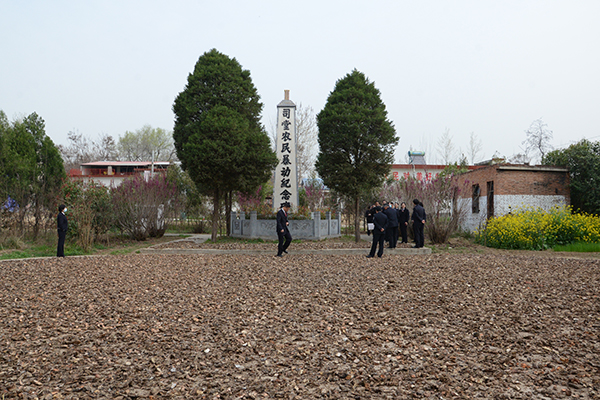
(389, 222)
(386, 223)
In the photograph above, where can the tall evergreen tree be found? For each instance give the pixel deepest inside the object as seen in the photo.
(583, 160)
(356, 140)
(218, 134)
(30, 166)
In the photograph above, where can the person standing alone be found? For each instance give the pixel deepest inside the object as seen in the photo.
(283, 232)
(63, 226)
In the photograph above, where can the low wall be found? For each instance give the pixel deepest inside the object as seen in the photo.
(504, 204)
(312, 229)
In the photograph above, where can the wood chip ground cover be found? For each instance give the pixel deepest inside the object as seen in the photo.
(442, 326)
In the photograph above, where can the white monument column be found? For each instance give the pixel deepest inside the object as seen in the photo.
(285, 187)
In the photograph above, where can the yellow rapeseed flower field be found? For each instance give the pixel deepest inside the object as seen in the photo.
(530, 228)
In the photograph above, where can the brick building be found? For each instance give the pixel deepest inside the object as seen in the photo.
(496, 190)
(112, 173)
(422, 172)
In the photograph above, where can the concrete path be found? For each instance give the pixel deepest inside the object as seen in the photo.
(201, 238)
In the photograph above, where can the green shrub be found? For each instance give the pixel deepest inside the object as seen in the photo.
(580, 247)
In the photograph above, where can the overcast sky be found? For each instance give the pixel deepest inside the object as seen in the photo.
(485, 67)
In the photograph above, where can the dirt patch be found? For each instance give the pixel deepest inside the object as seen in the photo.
(451, 326)
(333, 243)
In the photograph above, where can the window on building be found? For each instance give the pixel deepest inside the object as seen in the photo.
(490, 199)
(475, 199)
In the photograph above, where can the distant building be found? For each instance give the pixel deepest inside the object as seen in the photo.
(418, 168)
(421, 172)
(112, 173)
(498, 189)
(416, 158)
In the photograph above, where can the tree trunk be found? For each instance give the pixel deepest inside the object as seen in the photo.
(357, 217)
(228, 205)
(215, 216)
(36, 218)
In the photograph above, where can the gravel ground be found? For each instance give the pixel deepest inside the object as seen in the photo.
(442, 326)
(335, 243)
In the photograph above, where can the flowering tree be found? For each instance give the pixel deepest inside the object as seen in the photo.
(315, 194)
(440, 199)
(140, 205)
(254, 201)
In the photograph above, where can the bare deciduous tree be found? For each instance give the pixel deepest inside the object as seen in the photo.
(105, 148)
(306, 140)
(475, 147)
(538, 139)
(145, 143)
(80, 150)
(132, 146)
(445, 148)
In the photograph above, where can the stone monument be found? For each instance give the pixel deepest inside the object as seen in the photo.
(285, 187)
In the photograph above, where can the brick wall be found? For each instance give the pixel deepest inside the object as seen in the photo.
(515, 186)
(520, 180)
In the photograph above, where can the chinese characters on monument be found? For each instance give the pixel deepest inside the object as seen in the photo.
(285, 187)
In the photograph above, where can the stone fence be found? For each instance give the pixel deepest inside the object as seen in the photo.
(313, 229)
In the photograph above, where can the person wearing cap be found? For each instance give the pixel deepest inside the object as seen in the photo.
(283, 232)
(380, 221)
(63, 227)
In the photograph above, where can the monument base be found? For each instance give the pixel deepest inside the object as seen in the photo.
(307, 229)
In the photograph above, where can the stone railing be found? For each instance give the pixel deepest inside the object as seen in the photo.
(313, 229)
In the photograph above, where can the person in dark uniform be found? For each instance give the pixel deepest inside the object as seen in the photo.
(403, 218)
(397, 208)
(283, 232)
(63, 226)
(418, 217)
(380, 221)
(392, 226)
(369, 216)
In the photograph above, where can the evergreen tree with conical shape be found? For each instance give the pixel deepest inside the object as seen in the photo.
(356, 140)
(218, 134)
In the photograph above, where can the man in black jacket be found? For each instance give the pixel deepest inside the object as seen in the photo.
(63, 227)
(418, 217)
(283, 232)
(392, 226)
(403, 218)
(380, 220)
(369, 216)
